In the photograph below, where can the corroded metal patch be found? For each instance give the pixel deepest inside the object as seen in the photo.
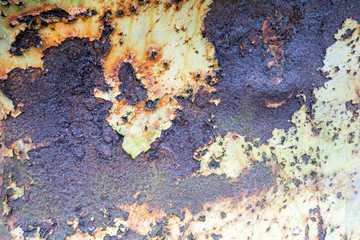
(117, 122)
(167, 50)
(317, 162)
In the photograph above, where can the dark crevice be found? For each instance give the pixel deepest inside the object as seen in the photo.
(24, 40)
(131, 88)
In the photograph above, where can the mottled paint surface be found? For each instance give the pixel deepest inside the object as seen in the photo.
(179, 119)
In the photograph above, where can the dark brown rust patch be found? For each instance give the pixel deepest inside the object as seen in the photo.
(56, 13)
(46, 228)
(192, 128)
(353, 108)
(47, 14)
(24, 40)
(60, 108)
(83, 168)
(192, 193)
(151, 105)
(131, 88)
(30, 36)
(299, 31)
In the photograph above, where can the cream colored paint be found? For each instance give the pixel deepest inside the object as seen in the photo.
(18, 192)
(231, 152)
(175, 35)
(283, 213)
(173, 32)
(288, 213)
(6, 106)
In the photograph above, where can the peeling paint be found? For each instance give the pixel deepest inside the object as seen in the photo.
(100, 232)
(229, 155)
(316, 194)
(182, 60)
(314, 162)
(168, 52)
(7, 107)
(13, 192)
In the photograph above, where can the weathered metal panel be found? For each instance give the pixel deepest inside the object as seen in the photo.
(192, 119)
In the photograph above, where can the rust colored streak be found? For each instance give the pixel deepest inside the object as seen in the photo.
(13, 19)
(277, 29)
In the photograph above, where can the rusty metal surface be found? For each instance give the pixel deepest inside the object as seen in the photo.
(180, 119)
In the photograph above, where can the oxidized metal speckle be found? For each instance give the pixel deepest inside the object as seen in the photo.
(179, 119)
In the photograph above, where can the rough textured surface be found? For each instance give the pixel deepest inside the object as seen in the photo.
(245, 41)
(169, 56)
(131, 88)
(82, 162)
(319, 157)
(129, 129)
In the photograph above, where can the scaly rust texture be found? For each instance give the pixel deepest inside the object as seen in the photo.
(179, 119)
(168, 54)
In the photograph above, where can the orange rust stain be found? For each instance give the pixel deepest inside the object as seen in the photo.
(12, 19)
(356, 83)
(147, 42)
(272, 39)
(22, 146)
(273, 104)
(154, 52)
(276, 80)
(275, 43)
(56, 32)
